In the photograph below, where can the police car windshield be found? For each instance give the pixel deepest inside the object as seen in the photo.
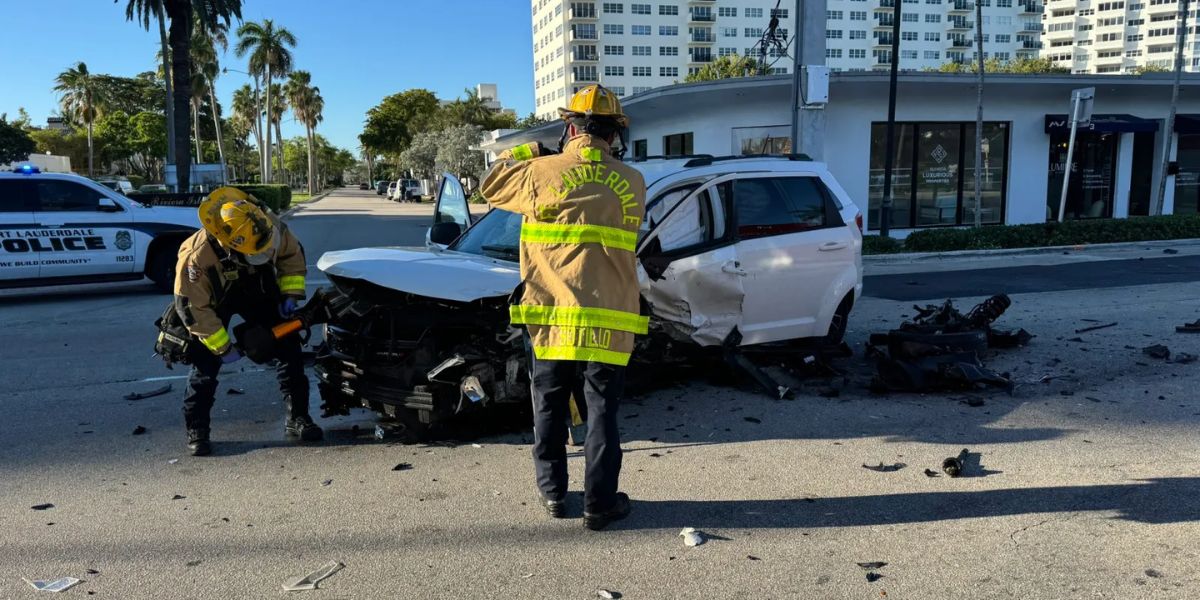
(496, 235)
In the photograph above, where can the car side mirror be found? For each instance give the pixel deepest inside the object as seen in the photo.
(108, 205)
(444, 233)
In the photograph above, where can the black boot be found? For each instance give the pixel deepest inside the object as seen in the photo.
(198, 443)
(598, 521)
(299, 424)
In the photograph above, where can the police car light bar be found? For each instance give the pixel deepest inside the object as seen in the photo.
(27, 170)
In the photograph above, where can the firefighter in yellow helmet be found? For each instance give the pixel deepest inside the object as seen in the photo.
(243, 261)
(579, 295)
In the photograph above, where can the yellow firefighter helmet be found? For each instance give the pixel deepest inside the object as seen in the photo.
(595, 101)
(230, 216)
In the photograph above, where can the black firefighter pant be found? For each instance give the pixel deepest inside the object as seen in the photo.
(597, 388)
(202, 380)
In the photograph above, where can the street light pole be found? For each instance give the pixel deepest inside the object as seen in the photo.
(885, 208)
(1169, 130)
(979, 116)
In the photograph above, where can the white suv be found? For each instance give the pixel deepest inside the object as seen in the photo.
(59, 229)
(734, 251)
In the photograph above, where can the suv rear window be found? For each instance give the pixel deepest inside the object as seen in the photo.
(769, 206)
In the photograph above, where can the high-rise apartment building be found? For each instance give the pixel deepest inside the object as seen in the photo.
(635, 46)
(1090, 36)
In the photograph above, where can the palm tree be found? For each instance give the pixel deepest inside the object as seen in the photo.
(182, 14)
(204, 70)
(80, 95)
(307, 105)
(216, 36)
(269, 52)
(279, 107)
(245, 109)
(143, 11)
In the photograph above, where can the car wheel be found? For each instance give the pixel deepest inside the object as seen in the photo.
(837, 326)
(161, 269)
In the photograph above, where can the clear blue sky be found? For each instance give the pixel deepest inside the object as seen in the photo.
(357, 50)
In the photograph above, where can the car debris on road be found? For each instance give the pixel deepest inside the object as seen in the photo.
(149, 394)
(939, 349)
(310, 581)
(61, 584)
(882, 468)
(955, 465)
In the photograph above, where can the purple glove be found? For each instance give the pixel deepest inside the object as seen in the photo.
(288, 307)
(231, 357)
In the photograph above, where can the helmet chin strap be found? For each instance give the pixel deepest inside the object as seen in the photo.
(562, 139)
(620, 154)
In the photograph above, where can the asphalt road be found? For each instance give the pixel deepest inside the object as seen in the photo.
(1085, 485)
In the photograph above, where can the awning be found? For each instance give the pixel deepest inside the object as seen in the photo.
(1187, 123)
(1112, 123)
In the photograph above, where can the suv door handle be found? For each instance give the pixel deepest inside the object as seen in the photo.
(732, 268)
(831, 246)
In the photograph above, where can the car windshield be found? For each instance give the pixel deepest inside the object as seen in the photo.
(496, 235)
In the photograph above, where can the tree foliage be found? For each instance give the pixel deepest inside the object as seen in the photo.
(727, 67)
(530, 121)
(394, 122)
(1143, 69)
(15, 144)
(995, 65)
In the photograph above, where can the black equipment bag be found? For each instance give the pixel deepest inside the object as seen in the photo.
(173, 343)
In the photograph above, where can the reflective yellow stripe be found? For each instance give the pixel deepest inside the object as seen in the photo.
(575, 353)
(577, 316)
(217, 341)
(522, 152)
(591, 154)
(554, 233)
(291, 283)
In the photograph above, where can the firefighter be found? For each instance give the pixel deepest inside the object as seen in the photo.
(579, 297)
(243, 261)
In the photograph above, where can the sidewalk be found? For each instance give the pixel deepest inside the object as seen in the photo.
(965, 260)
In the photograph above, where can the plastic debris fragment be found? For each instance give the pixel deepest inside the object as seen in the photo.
(691, 537)
(310, 581)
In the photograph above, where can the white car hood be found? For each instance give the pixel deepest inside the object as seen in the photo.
(445, 275)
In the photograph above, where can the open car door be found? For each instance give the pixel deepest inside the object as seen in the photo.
(694, 282)
(451, 214)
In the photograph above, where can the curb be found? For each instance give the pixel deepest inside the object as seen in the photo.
(916, 257)
(287, 213)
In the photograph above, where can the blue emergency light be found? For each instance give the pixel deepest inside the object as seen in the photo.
(27, 170)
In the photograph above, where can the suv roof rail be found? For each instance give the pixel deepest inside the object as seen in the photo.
(671, 157)
(704, 161)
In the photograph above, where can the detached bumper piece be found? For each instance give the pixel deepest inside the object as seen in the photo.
(941, 348)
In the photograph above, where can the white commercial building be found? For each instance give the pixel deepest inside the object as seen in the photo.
(1117, 160)
(1116, 36)
(633, 47)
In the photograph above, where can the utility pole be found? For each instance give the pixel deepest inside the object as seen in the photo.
(1169, 130)
(889, 163)
(979, 116)
(808, 118)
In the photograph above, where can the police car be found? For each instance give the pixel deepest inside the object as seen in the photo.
(59, 228)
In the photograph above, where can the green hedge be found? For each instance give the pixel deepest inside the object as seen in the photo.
(1070, 233)
(275, 195)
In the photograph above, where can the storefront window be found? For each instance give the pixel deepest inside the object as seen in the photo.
(902, 170)
(1090, 190)
(1187, 181)
(938, 174)
(991, 180)
(762, 140)
(933, 179)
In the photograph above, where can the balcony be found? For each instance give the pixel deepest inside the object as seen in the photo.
(961, 6)
(702, 18)
(1031, 45)
(585, 57)
(884, 41)
(1032, 8)
(588, 14)
(1162, 8)
(958, 23)
(960, 43)
(884, 22)
(701, 58)
(1026, 52)
(702, 37)
(885, 7)
(577, 36)
(584, 77)
(1031, 28)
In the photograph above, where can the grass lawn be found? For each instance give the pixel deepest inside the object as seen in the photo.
(299, 197)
